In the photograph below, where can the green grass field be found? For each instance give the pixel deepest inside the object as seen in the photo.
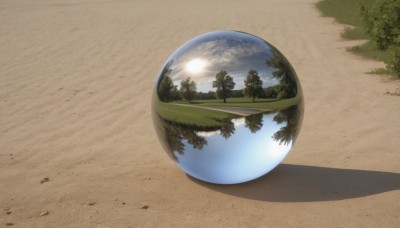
(246, 102)
(190, 115)
(195, 114)
(348, 12)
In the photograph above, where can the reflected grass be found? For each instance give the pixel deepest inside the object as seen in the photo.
(190, 115)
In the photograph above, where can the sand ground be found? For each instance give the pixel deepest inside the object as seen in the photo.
(76, 79)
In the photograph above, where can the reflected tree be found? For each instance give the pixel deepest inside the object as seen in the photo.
(224, 84)
(282, 70)
(253, 85)
(254, 122)
(173, 139)
(291, 117)
(227, 129)
(174, 134)
(193, 139)
(165, 87)
(188, 89)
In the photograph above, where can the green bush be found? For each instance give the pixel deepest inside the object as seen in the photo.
(393, 63)
(382, 23)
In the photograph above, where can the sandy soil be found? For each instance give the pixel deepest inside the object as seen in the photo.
(75, 84)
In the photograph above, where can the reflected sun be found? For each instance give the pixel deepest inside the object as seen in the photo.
(196, 66)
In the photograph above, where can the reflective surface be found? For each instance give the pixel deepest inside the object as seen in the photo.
(227, 107)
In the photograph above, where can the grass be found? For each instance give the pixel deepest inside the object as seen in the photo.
(369, 50)
(348, 12)
(246, 102)
(210, 118)
(190, 115)
(353, 33)
(382, 71)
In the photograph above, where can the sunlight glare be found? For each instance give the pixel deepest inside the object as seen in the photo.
(196, 66)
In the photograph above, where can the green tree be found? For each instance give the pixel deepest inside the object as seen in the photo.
(165, 85)
(291, 117)
(287, 87)
(224, 84)
(188, 89)
(253, 84)
(254, 122)
(166, 89)
(227, 129)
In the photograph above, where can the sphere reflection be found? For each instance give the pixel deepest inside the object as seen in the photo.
(227, 107)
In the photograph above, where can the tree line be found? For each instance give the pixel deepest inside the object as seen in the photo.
(224, 85)
(176, 133)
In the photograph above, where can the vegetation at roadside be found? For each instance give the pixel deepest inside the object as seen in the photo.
(378, 21)
(345, 12)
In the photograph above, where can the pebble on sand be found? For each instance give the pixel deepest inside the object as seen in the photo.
(46, 179)
(44, 213)
(145, 207)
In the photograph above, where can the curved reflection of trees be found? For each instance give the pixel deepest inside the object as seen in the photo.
(254, 122)
(173, 139)
(227, 129)
(174, 134)
(287, 87)
(165, 86)
(290, 116)
(193, 139)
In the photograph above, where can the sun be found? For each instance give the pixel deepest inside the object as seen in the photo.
(196, 66)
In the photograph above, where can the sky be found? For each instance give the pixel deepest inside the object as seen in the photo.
(233, 52)
(241, 157)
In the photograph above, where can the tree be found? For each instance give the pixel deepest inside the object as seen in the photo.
(175, 93)
(292, 118)
(227, 129)
(166, 89)
(254, 122)
(287, 87)
(165, 86)
(224, 84)
(253, 84)
(188, 89)
(271, 92)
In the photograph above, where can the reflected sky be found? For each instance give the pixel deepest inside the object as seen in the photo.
(241, 157)
(215, 52)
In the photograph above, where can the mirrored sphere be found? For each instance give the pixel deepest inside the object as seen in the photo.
(227, 107)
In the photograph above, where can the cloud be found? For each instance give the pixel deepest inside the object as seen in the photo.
(236, 56)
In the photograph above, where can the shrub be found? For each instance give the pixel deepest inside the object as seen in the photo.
(382, 22)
